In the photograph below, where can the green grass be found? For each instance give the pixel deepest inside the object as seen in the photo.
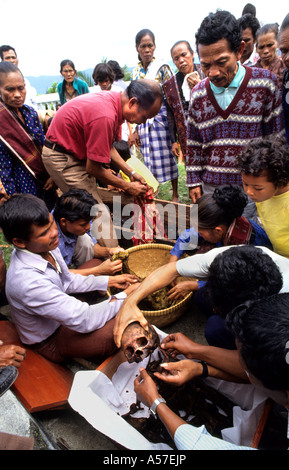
(165, 189)
(6, 249)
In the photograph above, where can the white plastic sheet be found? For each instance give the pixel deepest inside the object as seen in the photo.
(102, 401)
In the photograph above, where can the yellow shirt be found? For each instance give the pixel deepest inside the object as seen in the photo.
(274, 215)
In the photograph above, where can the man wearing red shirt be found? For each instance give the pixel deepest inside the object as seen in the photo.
(81, 135)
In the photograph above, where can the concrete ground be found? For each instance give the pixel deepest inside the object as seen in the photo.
(66, 429)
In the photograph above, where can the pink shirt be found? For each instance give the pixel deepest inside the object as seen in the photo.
(88, 125)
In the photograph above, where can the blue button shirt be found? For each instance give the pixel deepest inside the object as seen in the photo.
(225, 95)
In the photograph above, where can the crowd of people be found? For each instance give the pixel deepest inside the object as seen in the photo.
(227, 120)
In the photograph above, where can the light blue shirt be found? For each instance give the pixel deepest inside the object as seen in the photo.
(40, 300)
(224, 96)
(189, 437)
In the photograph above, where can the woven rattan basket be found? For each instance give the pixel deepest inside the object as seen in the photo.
(139, 254)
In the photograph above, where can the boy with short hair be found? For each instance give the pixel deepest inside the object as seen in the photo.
(40, 289)
(73, 216)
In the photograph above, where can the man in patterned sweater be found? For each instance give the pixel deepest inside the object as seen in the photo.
(229, 108)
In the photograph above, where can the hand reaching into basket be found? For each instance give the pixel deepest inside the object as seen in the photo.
(180, 290)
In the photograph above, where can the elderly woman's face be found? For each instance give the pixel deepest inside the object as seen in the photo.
(267, 47)
(183, 58)
(12, 89)
(68, 73)
(146, 49)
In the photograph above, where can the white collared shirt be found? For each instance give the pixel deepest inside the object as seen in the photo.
(40, 300)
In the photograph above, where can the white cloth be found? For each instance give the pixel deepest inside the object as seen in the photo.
(102, 401)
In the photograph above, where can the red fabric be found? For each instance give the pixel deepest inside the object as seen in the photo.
(239, 232)
(147, 223)
(88, 125)
(21, 142)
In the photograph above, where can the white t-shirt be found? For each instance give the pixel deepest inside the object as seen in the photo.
(197, 266)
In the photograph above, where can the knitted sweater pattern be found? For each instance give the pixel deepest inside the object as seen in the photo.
(216, 136)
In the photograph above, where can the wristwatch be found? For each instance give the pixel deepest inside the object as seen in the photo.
(153, 408)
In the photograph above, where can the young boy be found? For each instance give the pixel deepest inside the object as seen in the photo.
(72, 214)
(264, 167)
(40, 289)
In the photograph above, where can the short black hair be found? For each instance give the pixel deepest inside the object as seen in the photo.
(117, 70)
(73, 205)
(19, 213)
(6, 48)
(239, 274)
(145, 91)
(269, 155)
(249, 21)
(285, 23)
(262, 331)
(217, 26)
(249, 8)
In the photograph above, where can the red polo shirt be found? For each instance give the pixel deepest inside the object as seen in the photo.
(88, 125)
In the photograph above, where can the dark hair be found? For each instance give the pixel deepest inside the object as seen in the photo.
(270, 155)
(6, 48)
(19, 212)
(145, 91)
(141, 34)
(102, 72)
(221, 207)
(117, 70)
(182, 42)
(239, 274)
(217, 26)
(74, 205)
(249, 8)
(285, 23)
(249, 21)
(8, 67)
(122, 148)
(268, 28)
(262, 331)
(67, 62)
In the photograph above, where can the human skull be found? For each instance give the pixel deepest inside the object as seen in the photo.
(137, 343)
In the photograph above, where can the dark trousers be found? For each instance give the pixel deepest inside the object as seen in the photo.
(216, 332)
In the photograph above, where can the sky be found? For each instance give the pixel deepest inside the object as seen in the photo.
(44, 33)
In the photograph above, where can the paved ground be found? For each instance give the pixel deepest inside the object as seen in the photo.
(66, 429)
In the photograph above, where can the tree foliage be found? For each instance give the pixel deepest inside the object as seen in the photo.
(53, 88)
